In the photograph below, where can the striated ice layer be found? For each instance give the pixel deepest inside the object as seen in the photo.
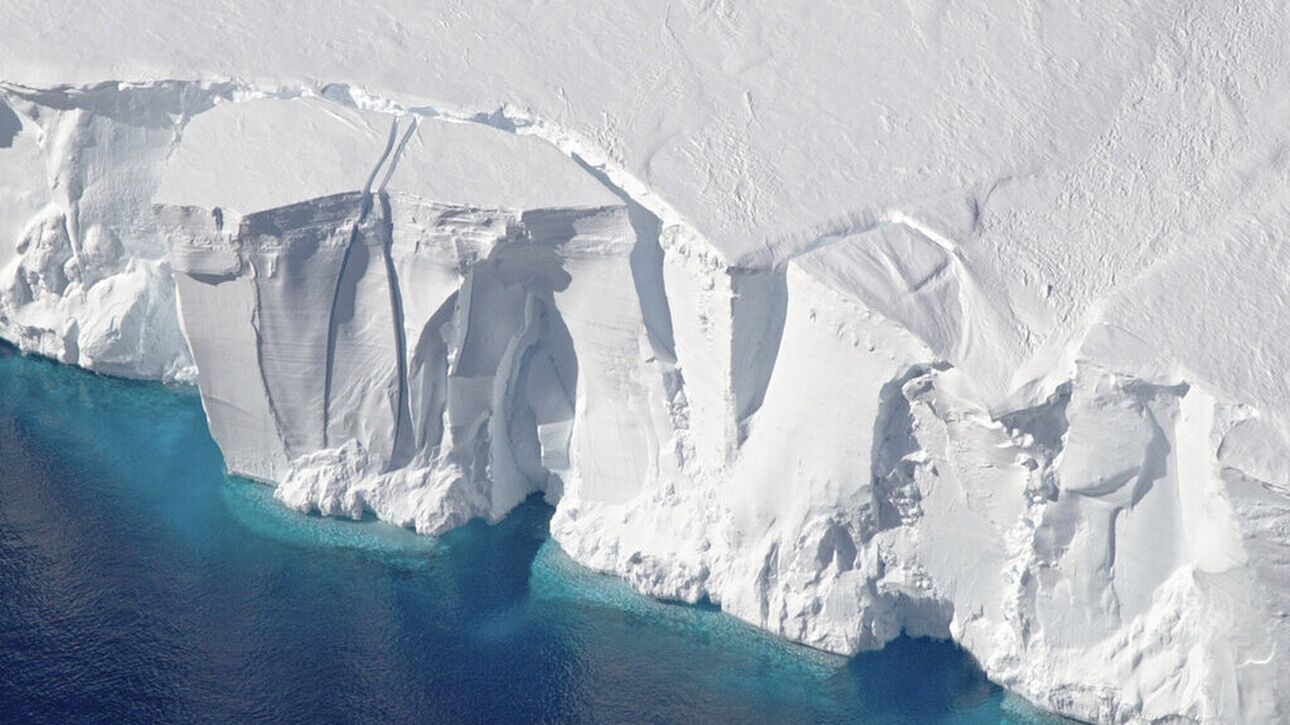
(430, 316)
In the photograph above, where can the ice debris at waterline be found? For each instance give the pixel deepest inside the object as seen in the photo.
(142, 584)
(954, 320)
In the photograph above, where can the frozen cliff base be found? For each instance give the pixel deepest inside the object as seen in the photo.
(1000, 361)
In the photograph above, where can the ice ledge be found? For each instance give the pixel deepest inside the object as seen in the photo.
(820, 441)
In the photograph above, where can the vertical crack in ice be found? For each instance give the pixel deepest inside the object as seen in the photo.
(399, 453)
(385, 156)
(355, 233)
(256, 325)
(398, 153)
(330, 362)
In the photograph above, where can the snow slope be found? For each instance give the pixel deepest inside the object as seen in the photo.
(959, 319)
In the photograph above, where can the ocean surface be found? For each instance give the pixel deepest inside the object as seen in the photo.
(139, 583)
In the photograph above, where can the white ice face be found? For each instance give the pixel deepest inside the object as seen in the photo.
(958, 319)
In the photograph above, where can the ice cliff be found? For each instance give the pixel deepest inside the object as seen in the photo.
(1030, 394)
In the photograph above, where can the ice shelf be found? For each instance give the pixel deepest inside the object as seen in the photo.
(962, 321)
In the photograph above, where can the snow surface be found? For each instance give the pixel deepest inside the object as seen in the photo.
(962, 319)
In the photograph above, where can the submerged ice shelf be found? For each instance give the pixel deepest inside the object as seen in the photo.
(1021, 410)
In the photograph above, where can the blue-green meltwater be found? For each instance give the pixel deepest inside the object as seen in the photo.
(140, 583)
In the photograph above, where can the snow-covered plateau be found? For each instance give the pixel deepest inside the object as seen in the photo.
(963, 319)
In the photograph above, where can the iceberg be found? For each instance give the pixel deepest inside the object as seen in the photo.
(956, 321)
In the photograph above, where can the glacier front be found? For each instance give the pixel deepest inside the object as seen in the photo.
(948, 320)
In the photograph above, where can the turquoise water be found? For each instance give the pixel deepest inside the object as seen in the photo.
(138, 582)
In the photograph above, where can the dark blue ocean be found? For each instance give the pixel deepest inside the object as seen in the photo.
(139, 583)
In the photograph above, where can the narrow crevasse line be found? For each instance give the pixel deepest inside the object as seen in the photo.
(261, 376)
(329, 363)
(355, 233)
(398, 153)
(580, 150)
(385, 156)
(399, 452)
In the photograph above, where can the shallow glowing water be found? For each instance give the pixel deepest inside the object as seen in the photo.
(138, 582)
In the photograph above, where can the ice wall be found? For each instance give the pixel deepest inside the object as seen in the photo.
(85, 279)
(429, 316)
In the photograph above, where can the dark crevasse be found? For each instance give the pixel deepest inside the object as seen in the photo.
(138, 582)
